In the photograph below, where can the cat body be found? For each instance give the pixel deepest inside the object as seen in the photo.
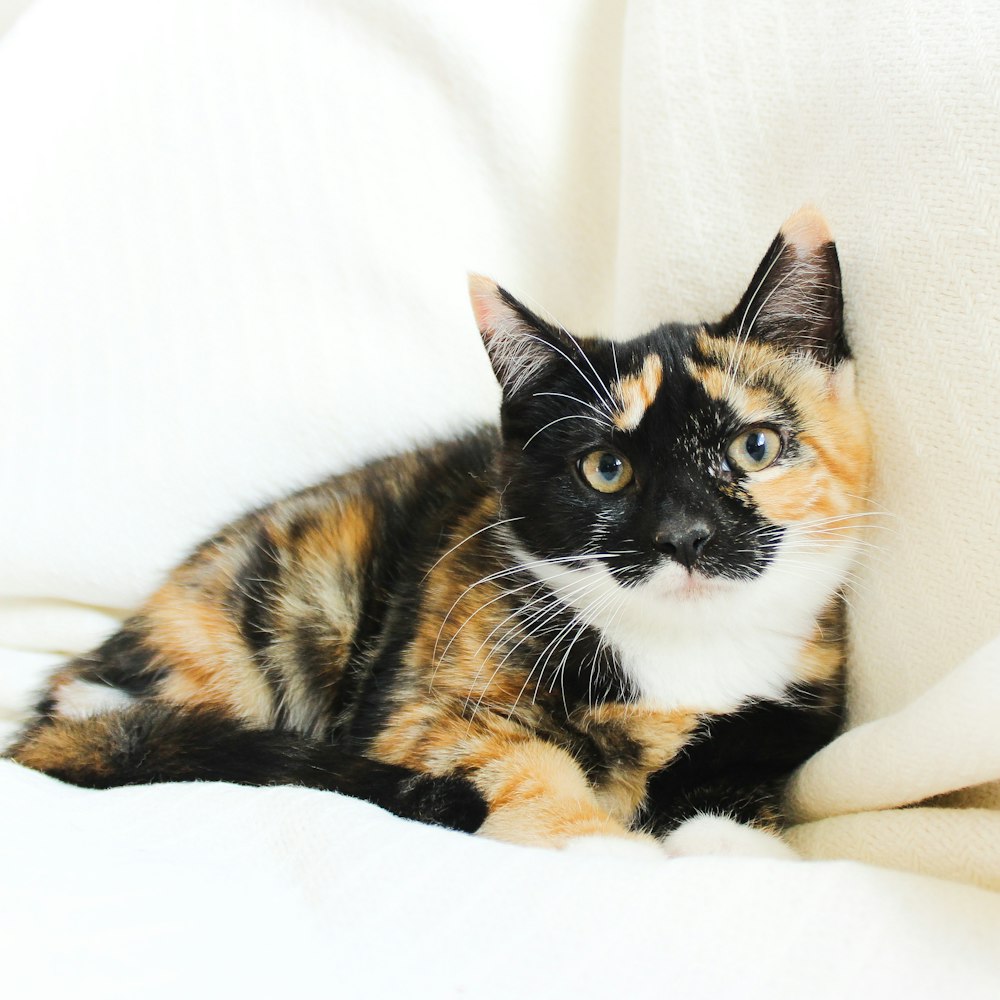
(617, 612)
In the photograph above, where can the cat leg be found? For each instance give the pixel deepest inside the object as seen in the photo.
(535, 791)
(735, 814)
(717, 807)
(538, 795)
(150, 742)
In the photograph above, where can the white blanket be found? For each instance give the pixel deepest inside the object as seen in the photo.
(199, 890)
(233, 245)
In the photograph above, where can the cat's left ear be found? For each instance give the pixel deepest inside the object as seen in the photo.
(521, 346)
(795, 297)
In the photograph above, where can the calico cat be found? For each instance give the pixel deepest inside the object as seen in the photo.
(619, 614)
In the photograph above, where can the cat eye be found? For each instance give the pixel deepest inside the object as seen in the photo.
(605, 471)
(754, 449)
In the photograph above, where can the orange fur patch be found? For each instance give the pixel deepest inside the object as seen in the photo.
(831, 477)
(538, 795)
(67, 748)
(635, 393)
(208, 663)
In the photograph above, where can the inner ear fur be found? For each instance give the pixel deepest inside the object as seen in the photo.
(521, 346)
(795, 299)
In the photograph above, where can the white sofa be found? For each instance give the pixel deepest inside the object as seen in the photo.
(233, 239)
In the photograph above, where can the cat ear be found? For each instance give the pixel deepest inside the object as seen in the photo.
(521, 346)
(795, 297)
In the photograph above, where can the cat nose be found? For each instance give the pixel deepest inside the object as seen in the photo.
(684, 542)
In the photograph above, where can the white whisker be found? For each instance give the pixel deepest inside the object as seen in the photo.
(559, 420)
(489, 527)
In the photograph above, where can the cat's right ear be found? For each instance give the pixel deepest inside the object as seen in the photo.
(521, 347)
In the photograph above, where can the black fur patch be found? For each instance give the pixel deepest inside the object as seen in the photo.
(817, 328)
(123, 661)
(255, 589)
(737, 764)
(150, 743)
(674, 453)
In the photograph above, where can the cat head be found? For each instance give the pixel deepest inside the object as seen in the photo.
(695, 461)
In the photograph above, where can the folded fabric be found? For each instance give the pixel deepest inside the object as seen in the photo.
(946, 739)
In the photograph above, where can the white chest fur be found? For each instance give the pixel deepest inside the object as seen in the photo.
(707, 672)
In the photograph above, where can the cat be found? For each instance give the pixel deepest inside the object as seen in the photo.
(617, 616)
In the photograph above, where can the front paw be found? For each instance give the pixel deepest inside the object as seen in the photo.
(721, 836)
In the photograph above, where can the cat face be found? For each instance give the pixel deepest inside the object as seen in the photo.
(696, 461)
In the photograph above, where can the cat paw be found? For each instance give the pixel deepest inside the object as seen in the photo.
(444, 801)
(721, 836)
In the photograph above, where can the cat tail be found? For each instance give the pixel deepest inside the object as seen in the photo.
(152, 742)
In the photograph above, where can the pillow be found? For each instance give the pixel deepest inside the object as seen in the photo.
(232, 269)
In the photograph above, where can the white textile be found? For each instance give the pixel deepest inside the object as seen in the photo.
(233, 245)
